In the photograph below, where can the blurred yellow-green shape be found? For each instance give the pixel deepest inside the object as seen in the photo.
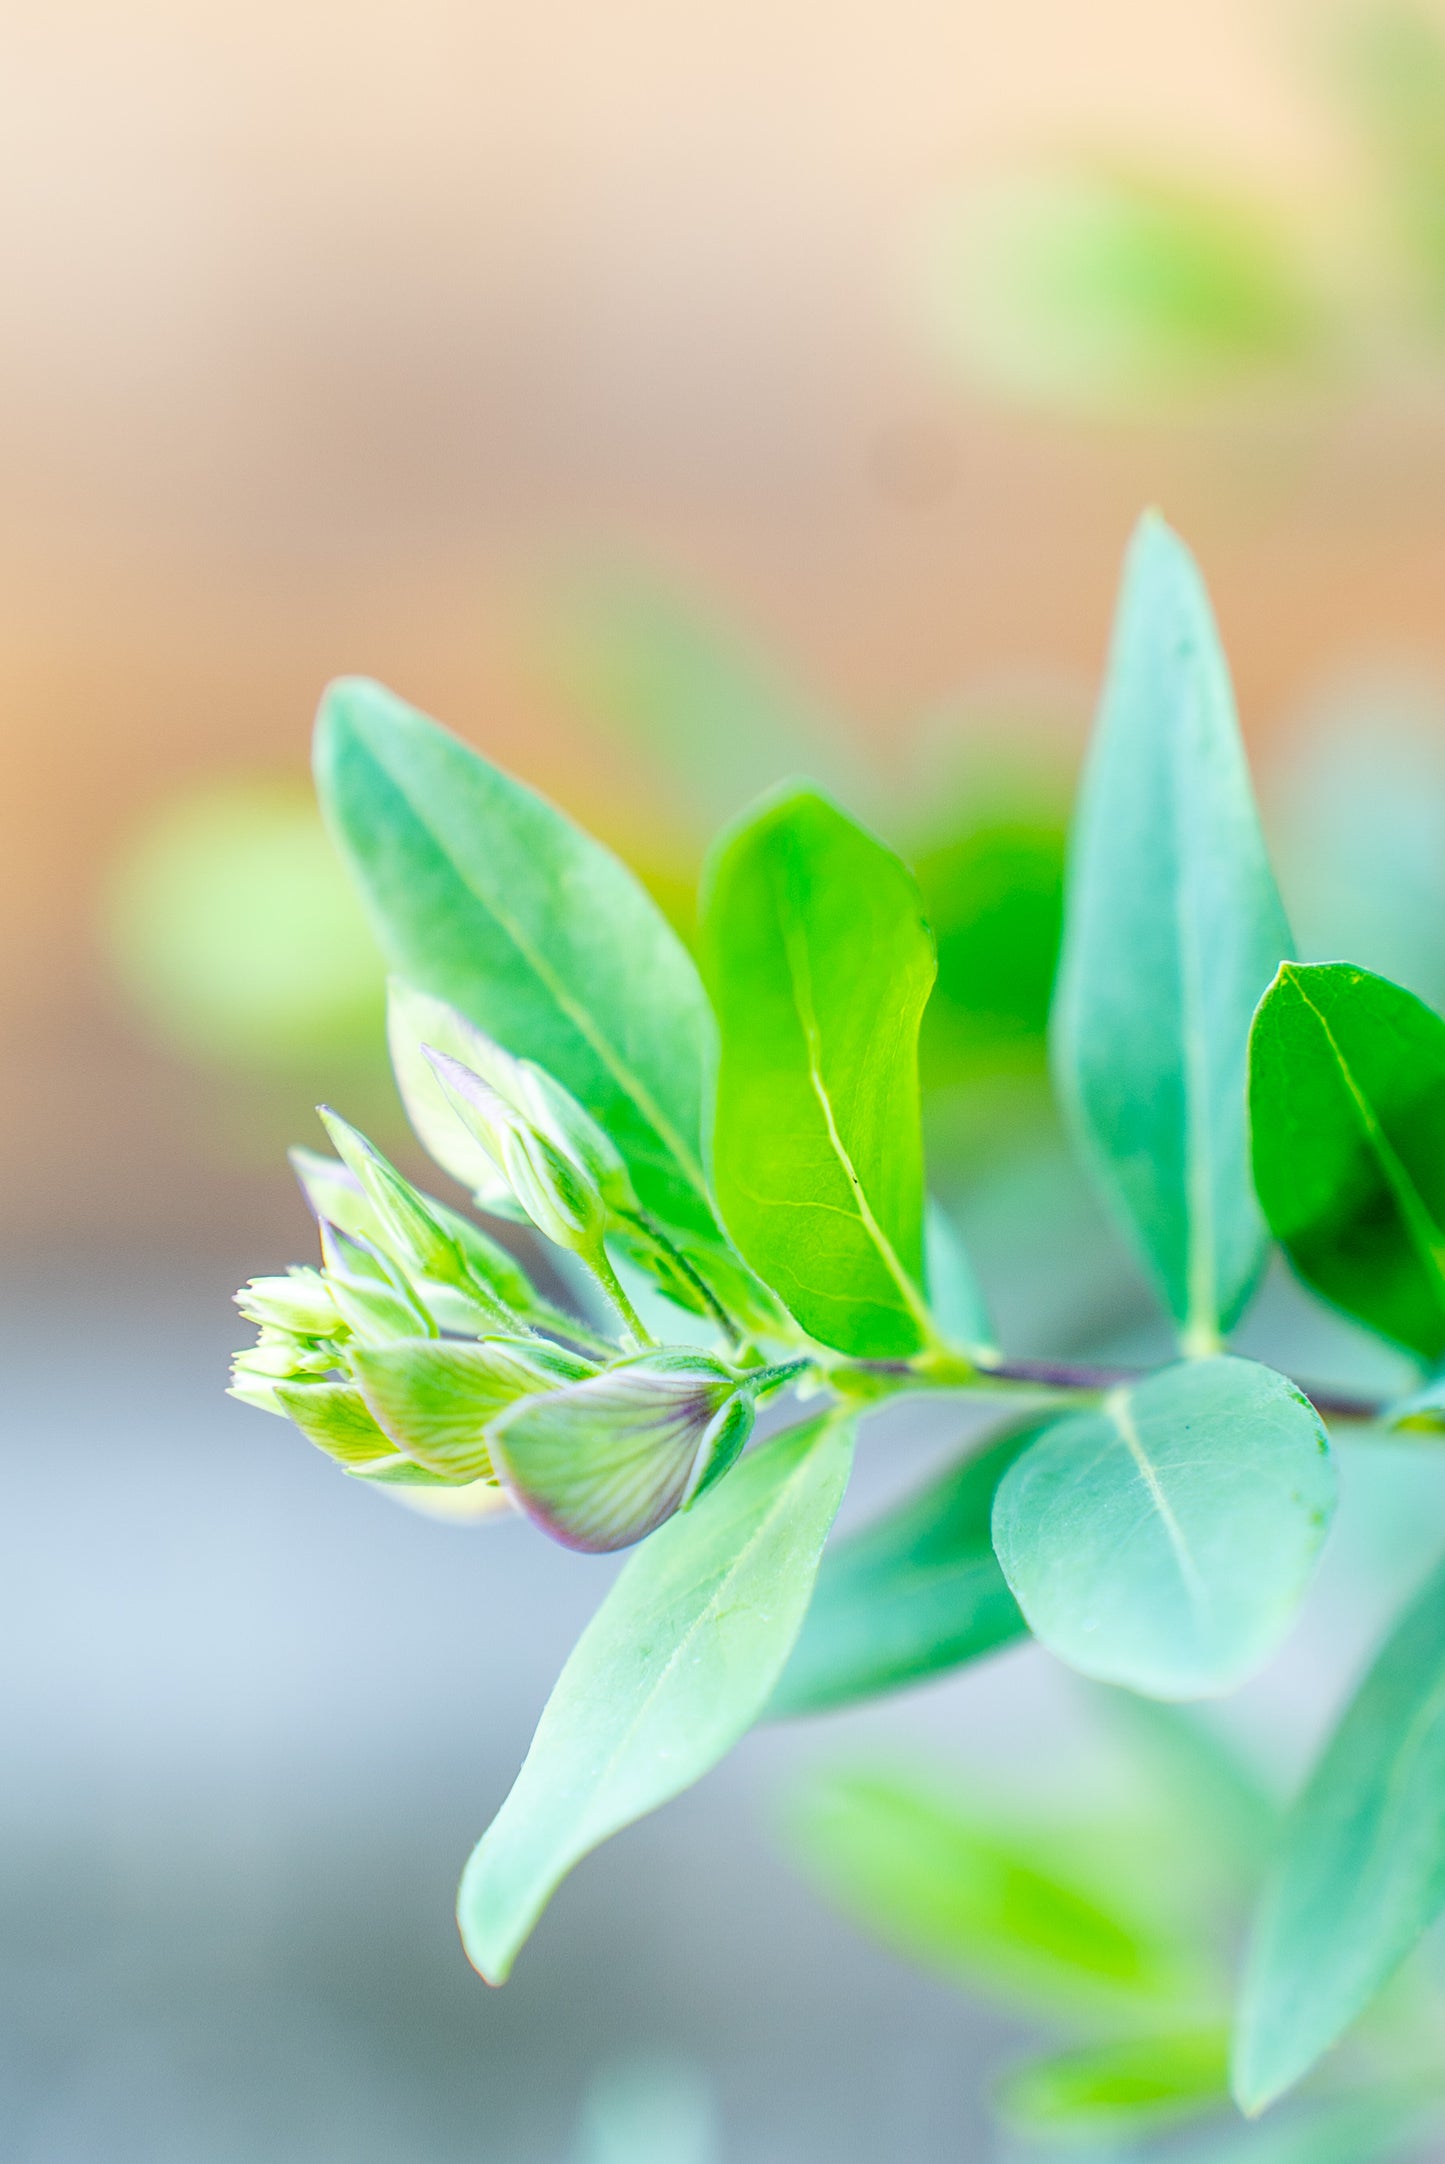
(235, 931)
(1101, 290)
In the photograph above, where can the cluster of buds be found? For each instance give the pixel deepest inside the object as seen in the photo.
(420, 1356)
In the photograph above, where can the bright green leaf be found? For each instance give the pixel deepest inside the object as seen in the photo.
(673, 1669)
(484, 895)
(990, 1909)
(1129, 2087)
(1173, 929)
(1347, 1107)
(1165, 1540)
(820, 965)
(1362, 1864)
(917, 1592)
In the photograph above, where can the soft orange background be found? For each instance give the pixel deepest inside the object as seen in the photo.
(329, 327)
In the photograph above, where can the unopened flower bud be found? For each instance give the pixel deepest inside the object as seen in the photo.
(557, 1192)
(556, 1112)
(421, 1241)
(298, 1302)
(600, 1464)
(437, 1399)
(372, 1296)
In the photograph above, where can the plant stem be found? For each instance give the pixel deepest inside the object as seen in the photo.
(1085, 1378)
(654, 1232)
(611, 1284)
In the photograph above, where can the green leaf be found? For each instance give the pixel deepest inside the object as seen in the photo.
(917, 1592)
(1166, 1540)
(988, 1908)
(1347, 1107)
(1173, 929)
(1362, 1864)
(1115, 291)
(954, 1294)
(1127, 2088)
(482, 894)
(820, 965)
(673, 1669)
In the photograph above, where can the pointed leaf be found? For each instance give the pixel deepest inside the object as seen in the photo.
(1173, 928)
(674, 1668)
(1124, 2089)
(602, 1463)
(820, 965)
(1347, 1107)
(917, 1592)
(484, 895)
(990, 1908)
(1362, 1864)
(1166, 1540)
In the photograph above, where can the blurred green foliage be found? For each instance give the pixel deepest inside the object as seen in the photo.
(237, 933)
(1108, 289)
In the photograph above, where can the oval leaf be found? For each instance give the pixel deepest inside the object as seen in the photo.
(913, 1594)
(1173, 928)
(1347, 1107)
(485, 896)
(820, 965)
(673, 1669)
(1165, 1541)
(1362, 1869)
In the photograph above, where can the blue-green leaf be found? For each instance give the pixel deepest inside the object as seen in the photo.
(1165, 1540)
(673, 1669)
(1362, 1864)
(820, 965)
(1173, 929)
(915, 1593)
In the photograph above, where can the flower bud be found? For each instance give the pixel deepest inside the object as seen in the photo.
(298, 1302)
(415, 1020)
(423, 1242)
(600, 1464)
(556, 1113)
(438, 1399)
(557, 1192)
(371, 1295)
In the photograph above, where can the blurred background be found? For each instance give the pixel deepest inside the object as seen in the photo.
(668, 398)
